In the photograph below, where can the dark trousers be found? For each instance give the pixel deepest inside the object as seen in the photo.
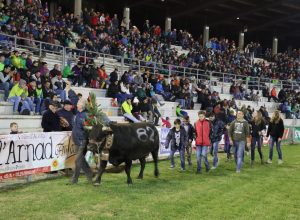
(80, 163)
(255, 140)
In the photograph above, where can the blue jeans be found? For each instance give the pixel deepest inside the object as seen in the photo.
(182, 159)
(278, 148)
(239, 150)
(5, 86)
(202, 152)
(255, 140)
(38, 103)
(62, 94)
(16, 101)
(215, 146)
(27, 103)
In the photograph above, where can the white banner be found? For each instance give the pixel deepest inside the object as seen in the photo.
(31, 153)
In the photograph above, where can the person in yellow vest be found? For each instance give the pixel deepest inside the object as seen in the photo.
(16, 60)
(18, 93)
(127, 108)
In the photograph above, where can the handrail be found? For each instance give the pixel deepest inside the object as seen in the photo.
(178, 70)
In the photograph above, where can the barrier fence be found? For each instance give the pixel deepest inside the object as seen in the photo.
(67, 54)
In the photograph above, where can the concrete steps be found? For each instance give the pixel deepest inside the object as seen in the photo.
(6, 108)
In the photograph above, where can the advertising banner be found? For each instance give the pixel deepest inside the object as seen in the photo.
(32, 153)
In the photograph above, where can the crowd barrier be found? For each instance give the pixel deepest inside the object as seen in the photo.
(33, 153)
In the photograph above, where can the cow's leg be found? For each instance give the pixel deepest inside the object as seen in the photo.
(155, 159)
(101, 170)
(142, 162)
(128, 164)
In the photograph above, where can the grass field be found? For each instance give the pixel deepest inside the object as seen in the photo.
(261, 192)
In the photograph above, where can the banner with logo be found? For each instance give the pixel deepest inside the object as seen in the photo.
(162, 140)
(297, 134)
(32, 153)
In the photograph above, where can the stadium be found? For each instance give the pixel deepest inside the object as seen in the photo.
(150, 109)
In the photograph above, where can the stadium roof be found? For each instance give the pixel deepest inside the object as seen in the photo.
(263, 19)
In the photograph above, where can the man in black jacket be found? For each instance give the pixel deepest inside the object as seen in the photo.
(50, 120)
(66, 116)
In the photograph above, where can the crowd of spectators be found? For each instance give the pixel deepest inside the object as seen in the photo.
(98, 31)
(29, 84)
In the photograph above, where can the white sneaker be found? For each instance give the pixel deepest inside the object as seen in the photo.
(213, 168)
(280, 162)
(269, 161)
(172, 167)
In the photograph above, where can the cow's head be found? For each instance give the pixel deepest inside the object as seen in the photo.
(97, 137)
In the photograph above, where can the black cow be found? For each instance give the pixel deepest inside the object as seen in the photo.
(130, 142)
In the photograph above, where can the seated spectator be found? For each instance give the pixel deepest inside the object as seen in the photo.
(50, 119)
(146, 109)
(180, 112)
(58, 86)
(37, 76)
(55, 71)
(113, 89)
(6, 80)
(141, 92)
(18, 90)
(127, 108)
(77, 74)
(125, 93)
(136, 110)
(138, 79)
(33, 95)
(273, 95)
(14, 128)
(66, 116)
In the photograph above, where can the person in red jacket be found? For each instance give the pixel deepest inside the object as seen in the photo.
(202, 130)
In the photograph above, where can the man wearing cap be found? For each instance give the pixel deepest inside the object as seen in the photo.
(50, 119)
(66, 116)
(16, 92)
(127, 108)
(5, 80)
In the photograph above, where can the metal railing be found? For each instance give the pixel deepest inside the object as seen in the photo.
(66, 54)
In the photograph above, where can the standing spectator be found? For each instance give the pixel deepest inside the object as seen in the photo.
(202, 131)
(238, 133)
(178, 139)
(14, 129)
(275, 131)
(5, 80)
(217, 131)
(188, 127)
(79, 136)
(66, 116)
(50, 119)
(257, 126)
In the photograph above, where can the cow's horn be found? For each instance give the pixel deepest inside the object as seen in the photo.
(105, 128)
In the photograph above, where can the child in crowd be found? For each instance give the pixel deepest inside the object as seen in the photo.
(166, 122)
(178, 138)
(14, 128)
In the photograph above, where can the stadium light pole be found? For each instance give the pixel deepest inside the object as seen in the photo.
(78, 8)
(241, 41)
(275, 46)
(126, 16)
(205, 35)
(168, 24)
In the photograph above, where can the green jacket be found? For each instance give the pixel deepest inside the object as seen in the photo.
(127, 108)
(67, 71)
(1, 67)
(239, 130)
(16, 61)
(17, 91)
